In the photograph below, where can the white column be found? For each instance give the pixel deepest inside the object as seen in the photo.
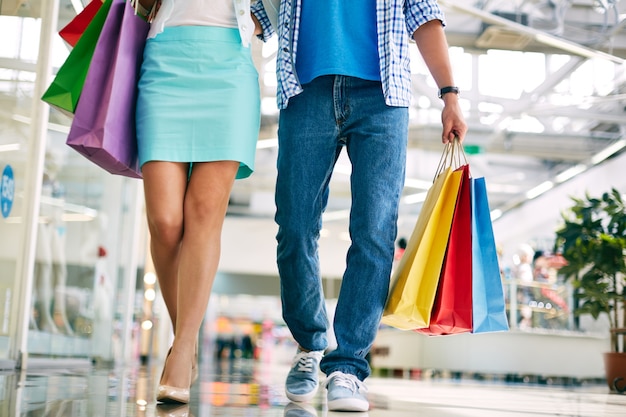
(20, 309)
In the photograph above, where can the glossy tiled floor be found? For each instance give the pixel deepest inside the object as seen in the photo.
(251, 388)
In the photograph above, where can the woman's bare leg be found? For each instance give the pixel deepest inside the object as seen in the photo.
(204, 209)
(165, 185)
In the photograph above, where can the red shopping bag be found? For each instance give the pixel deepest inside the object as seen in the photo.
(72, 32)
(452, 309)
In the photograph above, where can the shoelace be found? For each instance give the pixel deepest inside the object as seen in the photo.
(304, 361)
(348, 381)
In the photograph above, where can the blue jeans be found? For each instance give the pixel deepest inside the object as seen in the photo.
(333, 112)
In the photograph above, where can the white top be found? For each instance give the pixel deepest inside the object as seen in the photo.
(220, 13)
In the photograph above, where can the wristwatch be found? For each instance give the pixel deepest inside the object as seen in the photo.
(446, 90)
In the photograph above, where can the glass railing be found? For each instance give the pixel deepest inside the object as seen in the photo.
(539, 305)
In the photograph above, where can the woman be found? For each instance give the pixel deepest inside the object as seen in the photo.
(198, 116)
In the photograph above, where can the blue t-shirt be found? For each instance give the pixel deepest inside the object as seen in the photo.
(338, 37)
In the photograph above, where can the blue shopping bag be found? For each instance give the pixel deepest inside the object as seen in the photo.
(488, 305)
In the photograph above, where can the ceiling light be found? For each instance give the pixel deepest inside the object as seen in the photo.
(540, 189)
(9, 147)
(570, 173)
(608, 151)
(496, 214)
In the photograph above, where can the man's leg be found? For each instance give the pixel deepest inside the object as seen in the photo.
(307, 153)
(376, 140)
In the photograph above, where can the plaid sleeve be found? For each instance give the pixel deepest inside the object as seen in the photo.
(258, 11)
(418, 12)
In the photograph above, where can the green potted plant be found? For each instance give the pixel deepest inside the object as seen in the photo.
(592, 240)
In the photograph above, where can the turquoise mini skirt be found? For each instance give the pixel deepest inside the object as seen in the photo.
(198, 98)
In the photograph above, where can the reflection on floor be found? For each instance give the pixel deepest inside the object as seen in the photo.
(251, 388)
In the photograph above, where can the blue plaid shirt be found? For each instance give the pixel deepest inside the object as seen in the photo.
(397, 20)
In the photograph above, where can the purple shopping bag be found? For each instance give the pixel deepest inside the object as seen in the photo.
(103, 129)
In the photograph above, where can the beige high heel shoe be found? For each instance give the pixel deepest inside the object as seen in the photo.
(168, 393)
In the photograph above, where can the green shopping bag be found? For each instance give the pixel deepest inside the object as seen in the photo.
(65, 89)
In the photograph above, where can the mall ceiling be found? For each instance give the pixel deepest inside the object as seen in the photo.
(517, 162)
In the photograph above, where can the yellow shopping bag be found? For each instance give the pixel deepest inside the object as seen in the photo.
(414, 283)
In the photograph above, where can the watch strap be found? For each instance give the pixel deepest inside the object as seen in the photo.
(449, 89)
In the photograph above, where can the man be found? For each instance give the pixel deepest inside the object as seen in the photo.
(344, 81)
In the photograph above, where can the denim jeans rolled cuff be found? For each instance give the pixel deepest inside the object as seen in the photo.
(331, 113)
(359, 367)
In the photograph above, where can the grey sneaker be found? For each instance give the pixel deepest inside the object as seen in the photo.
(302, 380)
(346, 393)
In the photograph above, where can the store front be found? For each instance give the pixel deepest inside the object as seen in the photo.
(69, 230)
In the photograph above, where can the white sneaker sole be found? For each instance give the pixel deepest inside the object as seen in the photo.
(348, 404)
(300, 398)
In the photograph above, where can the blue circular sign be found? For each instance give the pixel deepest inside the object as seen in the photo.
(7, 191)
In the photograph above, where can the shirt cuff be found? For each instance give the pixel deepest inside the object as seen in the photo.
(258, 11)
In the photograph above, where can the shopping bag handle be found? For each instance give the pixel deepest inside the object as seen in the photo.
(453, 156)
(141, 11)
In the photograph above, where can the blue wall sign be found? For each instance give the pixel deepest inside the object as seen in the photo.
(7, 191)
